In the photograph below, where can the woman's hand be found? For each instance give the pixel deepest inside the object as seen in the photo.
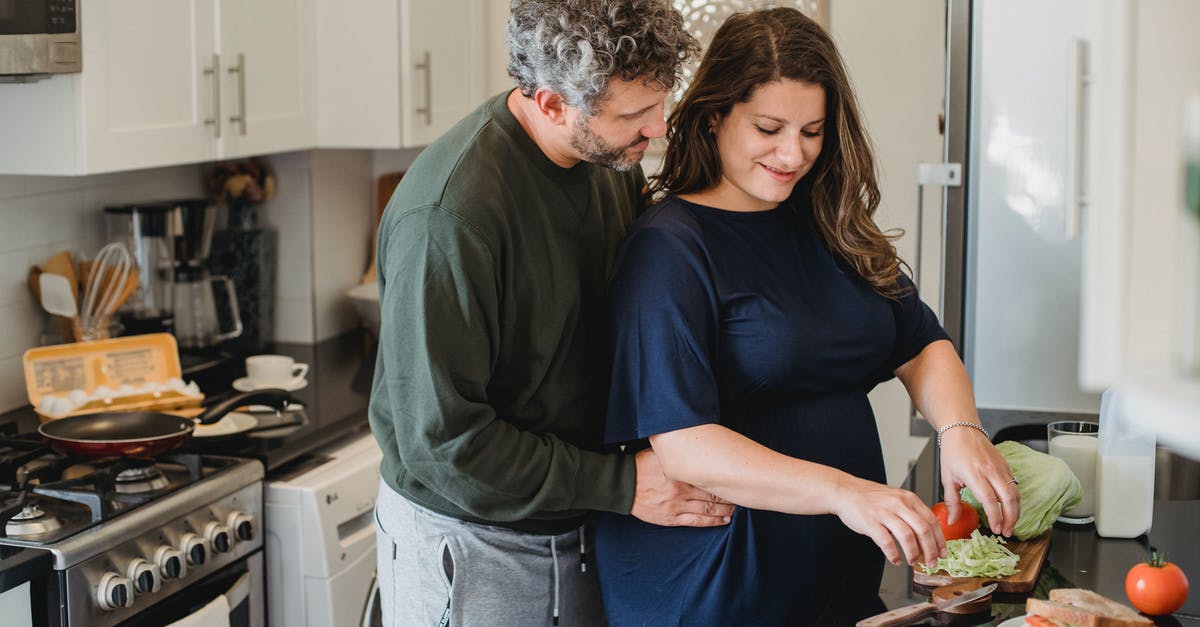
(938, 384)
(970, 460)
(881, 513)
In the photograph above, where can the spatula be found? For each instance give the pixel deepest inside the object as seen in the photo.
(58, 295)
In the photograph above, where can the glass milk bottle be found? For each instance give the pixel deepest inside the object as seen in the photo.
(1125, 471)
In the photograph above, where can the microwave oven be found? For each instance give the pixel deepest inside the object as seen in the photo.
(38, 37)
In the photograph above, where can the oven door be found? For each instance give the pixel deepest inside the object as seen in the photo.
(241, 585)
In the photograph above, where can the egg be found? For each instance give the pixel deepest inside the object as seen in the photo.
(46, 405)
(102, 392)
(61, 406)
(77, 397)
(125, 390)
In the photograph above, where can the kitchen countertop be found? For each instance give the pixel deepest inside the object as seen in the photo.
(1078, 557)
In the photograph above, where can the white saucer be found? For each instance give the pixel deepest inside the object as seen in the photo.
(1016, 621)
(243, 384)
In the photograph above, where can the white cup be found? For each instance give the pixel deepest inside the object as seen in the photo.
(274, 371)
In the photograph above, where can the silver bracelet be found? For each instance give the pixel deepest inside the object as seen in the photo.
(961, 423)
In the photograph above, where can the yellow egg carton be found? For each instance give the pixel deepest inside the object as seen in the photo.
(134, 373)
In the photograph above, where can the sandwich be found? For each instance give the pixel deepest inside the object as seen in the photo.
(1075, 607)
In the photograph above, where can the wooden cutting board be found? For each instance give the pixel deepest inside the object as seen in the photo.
(1030, 553)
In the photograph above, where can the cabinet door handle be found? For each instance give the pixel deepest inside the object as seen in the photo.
(240, 118)
(426, 65)
(215, 73)
(1076, 175)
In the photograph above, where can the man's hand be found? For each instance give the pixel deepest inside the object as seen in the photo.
(662, 501)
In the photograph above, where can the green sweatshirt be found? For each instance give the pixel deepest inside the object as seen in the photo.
(493, 366)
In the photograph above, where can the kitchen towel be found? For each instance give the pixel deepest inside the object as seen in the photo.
(215, 614)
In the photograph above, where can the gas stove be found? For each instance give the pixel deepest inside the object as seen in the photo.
(127, 533)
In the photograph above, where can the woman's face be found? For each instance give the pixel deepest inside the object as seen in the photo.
(768, 144)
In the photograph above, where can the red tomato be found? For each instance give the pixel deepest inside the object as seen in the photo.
(1156, 587)
(967, 522)
(1033, 620)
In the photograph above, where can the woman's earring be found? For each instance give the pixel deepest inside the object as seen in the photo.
(712, 130)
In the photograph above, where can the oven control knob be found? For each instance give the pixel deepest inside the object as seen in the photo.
(171, 562)
(243, 525)
(194, 548)
(144, 576)
(114, 592)
(220, 537)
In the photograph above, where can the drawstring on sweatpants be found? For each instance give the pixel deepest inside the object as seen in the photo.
(582, 550)
(554, 559)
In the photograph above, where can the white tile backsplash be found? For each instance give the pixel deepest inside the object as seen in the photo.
(294, 320)
(295, 278)
(23, 325)
(12, 392)
(343, 217)
(14, 268)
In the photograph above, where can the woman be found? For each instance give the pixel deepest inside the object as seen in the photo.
(753, 308)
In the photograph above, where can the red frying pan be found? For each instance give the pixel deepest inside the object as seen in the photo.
(143, 433)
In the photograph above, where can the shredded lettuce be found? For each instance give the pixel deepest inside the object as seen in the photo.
(977, 556)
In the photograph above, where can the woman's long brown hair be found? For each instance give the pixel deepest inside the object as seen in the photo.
(749, 50)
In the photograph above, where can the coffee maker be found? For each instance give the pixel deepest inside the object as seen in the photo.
(170, 242)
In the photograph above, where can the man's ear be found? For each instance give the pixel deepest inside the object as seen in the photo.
(551, 105)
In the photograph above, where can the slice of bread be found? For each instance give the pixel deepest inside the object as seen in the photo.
(1085, 608)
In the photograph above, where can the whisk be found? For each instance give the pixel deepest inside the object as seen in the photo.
(105, 285)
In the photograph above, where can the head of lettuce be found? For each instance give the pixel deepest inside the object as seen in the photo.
(1047, 487)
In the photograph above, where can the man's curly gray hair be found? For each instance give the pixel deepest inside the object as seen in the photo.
(573, 47)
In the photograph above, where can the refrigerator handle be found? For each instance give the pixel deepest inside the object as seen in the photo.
(944, 175)
(1076, 182)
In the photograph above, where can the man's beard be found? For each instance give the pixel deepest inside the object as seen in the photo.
(595, 150)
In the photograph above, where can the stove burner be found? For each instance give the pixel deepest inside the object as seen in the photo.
(31, 520)
(73, 495)
(140, 479)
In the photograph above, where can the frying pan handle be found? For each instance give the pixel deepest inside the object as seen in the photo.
(273, 397)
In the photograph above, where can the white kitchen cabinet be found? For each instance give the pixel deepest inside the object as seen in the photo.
(399, 73)
(162, 85)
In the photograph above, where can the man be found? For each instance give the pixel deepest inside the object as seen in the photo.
(492, 375)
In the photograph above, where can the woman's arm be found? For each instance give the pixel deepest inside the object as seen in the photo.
(938, 384)
(739, 470)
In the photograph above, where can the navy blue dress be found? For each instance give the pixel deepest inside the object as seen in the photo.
(747, 320)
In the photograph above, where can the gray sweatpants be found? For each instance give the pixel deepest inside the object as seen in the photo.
(436, 570)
